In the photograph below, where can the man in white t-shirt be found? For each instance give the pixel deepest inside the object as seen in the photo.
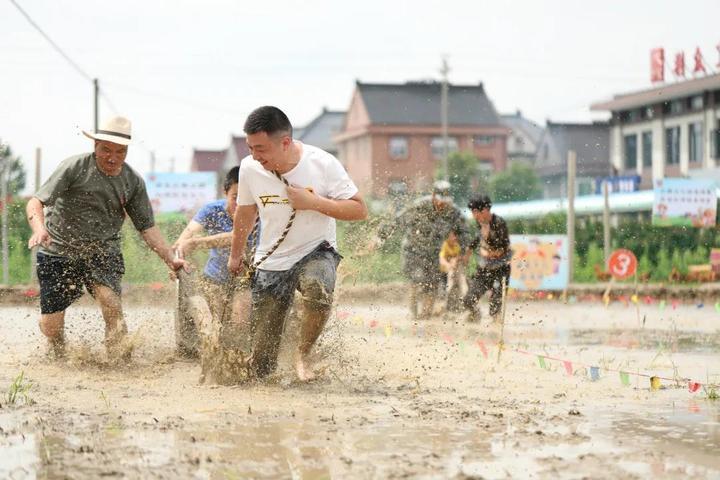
(306, 259)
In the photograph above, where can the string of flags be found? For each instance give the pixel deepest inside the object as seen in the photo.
(571, 368)
(608, 298)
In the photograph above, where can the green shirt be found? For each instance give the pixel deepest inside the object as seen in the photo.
(85, 208)
(425, 228)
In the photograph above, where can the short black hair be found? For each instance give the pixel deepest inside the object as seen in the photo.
(479, 202)
(231, 178)
(268, 119)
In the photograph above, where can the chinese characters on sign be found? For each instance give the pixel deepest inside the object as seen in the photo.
(180, 192)
(682, 202)
(623, 184)
(657, 64)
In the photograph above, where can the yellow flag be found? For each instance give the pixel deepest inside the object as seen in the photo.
(654, 383)
(634, 298)
(388, 330)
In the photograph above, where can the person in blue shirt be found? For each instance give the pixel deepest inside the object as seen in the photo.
(211, 229)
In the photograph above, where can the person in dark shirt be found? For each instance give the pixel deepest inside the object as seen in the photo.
(492, 245)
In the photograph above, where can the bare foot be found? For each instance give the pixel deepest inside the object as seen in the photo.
(303, 369)
(56, 348)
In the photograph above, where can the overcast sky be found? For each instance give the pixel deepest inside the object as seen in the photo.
(187, 73)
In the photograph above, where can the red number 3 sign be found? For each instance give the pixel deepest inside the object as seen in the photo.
(622, 264)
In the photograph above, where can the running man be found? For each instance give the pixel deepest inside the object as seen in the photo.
(282, 176)
(76, 218)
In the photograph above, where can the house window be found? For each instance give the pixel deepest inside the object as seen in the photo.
(647, 149)
(672, 146)
(695, 138)
(648, 113)
(519, 142)
(674, 106)
(696, 102)
(485, 165)
(436, 144)
(630, 152)
(483, 140)
(398, 147)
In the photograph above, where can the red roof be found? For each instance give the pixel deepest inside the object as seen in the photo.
(240, 146)
(207, 160)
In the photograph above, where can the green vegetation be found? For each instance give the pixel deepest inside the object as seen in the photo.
(19, 390)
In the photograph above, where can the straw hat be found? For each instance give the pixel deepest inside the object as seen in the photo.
(115, 130)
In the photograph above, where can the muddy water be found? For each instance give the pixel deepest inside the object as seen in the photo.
(393, 400)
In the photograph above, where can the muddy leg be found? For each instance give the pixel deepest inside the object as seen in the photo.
(115, 328)
(52, 325)
(268, 317)
(413, 301)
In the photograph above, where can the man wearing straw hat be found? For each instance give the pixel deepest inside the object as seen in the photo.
(76, 218)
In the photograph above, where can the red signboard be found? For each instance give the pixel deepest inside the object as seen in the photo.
(699, 63)
(657, 65)
(622, 264)
(679, 68)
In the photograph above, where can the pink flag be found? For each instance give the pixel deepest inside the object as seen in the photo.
(693, 387)
(447, 338)
(483, 348)
(568, 367)
(373, 323)
(343, 315)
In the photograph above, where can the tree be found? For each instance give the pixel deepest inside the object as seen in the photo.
(517, 184)
(465, 176)
(17, 178)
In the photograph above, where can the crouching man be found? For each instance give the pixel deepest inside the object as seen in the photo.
(299, 191)
(76, 218)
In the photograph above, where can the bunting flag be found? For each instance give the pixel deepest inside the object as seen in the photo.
(594, 374)
(693, 387)
(674, 304)
(625, 378)
(358, 320)
(717, 306)
(634, 298)
(661, 305)
(568, 367)
(482, 347)
(343, 315)
(462, 346)
(648, 300)
(654, 383)
(448, 339)
(541, 362)
(373, 323)
(388, 330)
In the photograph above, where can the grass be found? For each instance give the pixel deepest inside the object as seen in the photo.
(19, 391)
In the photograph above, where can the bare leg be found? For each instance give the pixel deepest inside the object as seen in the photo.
(413, 301)
(428, 301)
(52, 325)
(115, 328)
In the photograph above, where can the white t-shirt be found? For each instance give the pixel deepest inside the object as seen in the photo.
(316, 169)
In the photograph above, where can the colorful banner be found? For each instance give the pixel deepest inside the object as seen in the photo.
(539, 262)
(181, 192)
(684, 202)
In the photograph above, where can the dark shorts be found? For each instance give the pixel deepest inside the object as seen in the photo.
(272, 298)
(62, 278)
(423, 271)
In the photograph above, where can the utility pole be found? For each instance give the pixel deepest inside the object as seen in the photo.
(152, 161)
(444, 114)
(571, 163)
(97, 94)
(172, 164)
(4, 194)
(606, 220)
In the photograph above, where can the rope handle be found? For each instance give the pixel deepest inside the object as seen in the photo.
(251, 267)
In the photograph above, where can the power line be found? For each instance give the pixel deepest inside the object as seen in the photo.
(50, 40)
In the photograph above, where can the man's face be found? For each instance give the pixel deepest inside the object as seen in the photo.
(270, 150)
(110, 157)
(482, 216)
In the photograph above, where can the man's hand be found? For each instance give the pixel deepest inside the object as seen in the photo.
(235, 265)
(176, 264)
(303, 198)
(41, 237)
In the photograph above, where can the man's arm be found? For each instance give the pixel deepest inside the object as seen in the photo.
(186, 247)
(36, 219)
(353, 208)
(154, 239)
(243, 222)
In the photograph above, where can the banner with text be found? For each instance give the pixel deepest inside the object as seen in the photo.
(684, 202)
(181, 192)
